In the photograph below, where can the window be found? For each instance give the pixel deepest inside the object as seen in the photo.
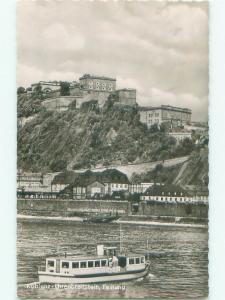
(161, 198)
(97, 85)
(75, 265)
(90, 85)
(103, 263)
(65, 264)
(90, 264)
(97, 263)
(104, 86)
(51, 263)
(142, 260)
(110, 86)
(156, 198)
(131, 261)
(137, 260)
(83, 264)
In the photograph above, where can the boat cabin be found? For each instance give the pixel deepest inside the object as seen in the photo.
(107, 260)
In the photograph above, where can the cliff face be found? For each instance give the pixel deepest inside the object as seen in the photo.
(195, 171)
(192, 172)
(89, 137)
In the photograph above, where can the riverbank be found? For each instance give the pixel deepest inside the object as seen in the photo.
(130, 220)
(45, 218)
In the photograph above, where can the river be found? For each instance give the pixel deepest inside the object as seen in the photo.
(178, 255)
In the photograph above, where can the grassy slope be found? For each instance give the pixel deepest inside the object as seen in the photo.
(53, 140)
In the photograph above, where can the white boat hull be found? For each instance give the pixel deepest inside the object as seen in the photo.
(45, 277)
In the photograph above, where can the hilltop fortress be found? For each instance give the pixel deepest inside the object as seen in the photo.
(89, 88)
(98, 89)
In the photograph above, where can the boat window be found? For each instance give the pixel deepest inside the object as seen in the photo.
(103, 263)
(142, 260)
(97, 263)
(75, 265)
(131, 261)
(90, 264)
(65, 264)
(137, 260)
(51, 263)
(83, 264)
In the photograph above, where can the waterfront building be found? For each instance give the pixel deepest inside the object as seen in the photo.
(58, 187)
(115, 181)
(167, 193)
(89, 184)
(176, 116)
(33, 182)
(140, 188)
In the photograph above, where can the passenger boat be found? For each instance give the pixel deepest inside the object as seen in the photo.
(108, 265)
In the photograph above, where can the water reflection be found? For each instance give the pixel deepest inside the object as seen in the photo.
(179, 258)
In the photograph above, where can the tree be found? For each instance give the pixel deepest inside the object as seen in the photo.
(38, 89)
(164, 154)
(58, 165)
(154, 128)
(64, 88)
(20, 90)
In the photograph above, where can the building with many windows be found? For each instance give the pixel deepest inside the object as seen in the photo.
(172, 194)
(97, 83)
(176, 116)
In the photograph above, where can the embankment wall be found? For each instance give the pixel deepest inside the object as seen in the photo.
(47, 207)
(175, 210)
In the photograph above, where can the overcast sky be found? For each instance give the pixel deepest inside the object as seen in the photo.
(159, 48)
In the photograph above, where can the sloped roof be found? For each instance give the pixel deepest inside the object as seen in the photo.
(166, 190)
(107, 176)
(114, 176)
(66, 177)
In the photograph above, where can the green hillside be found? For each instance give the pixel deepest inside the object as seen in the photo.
(53, 141)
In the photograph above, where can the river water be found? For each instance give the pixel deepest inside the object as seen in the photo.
(178, 255)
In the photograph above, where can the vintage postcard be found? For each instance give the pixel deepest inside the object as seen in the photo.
(112, 149)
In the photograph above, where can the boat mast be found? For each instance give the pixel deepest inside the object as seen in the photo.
(121, 239)
(147, 251)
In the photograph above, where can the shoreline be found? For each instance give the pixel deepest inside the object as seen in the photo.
(127, 222)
